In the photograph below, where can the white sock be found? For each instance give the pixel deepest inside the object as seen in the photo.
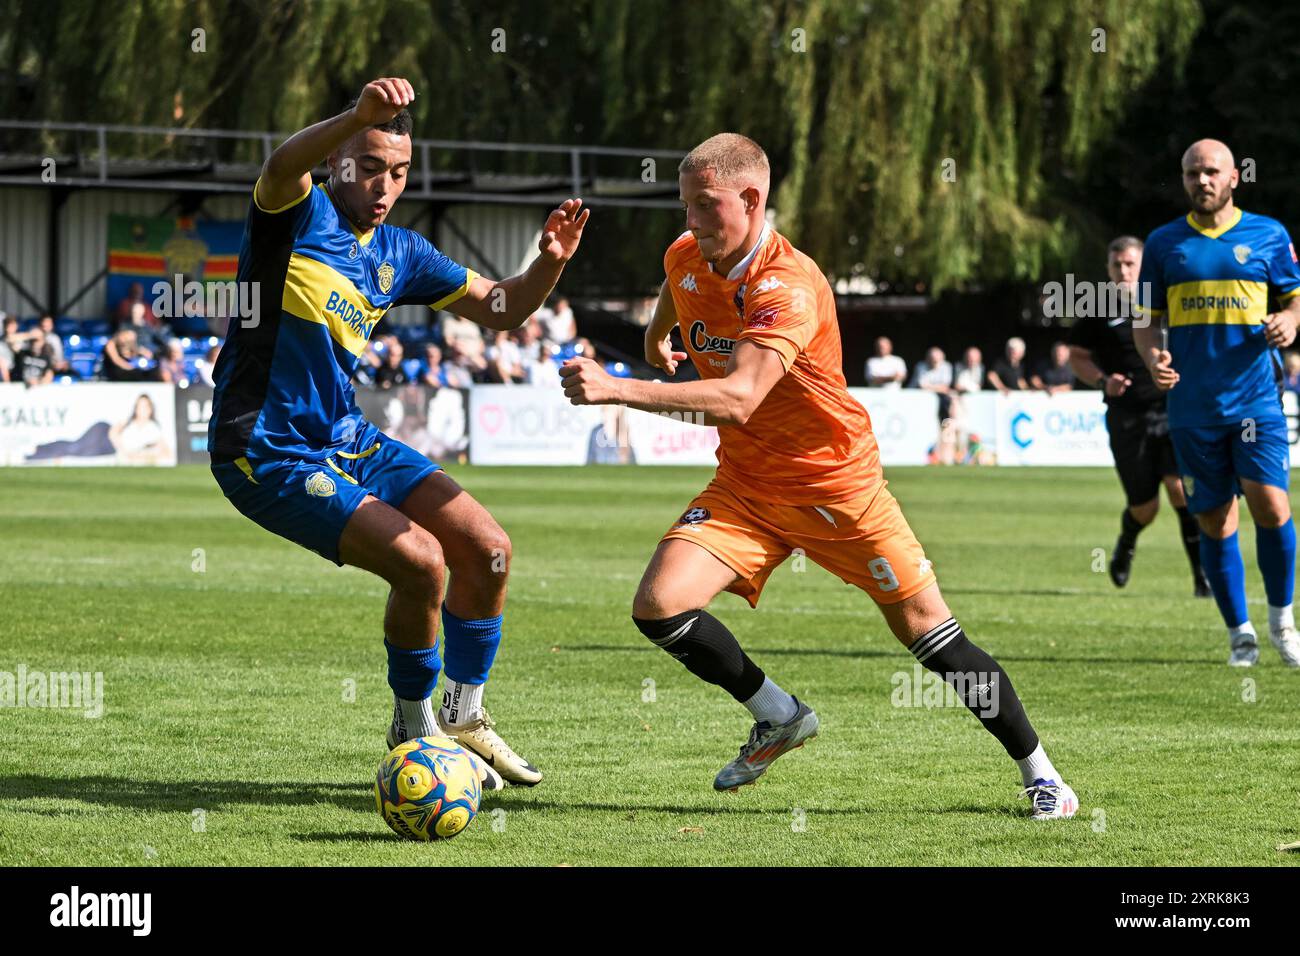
(460, 702)
(772, 704)
(1280, 617)
(1245, 628)
(414, 717)
(1037, 767)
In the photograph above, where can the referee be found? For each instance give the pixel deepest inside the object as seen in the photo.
(1102, 354)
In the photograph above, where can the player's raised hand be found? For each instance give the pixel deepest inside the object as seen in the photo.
(563, 231)
(586, 383)
(661, 355)
(383, 99)
(1279, 329)
(1162, 371)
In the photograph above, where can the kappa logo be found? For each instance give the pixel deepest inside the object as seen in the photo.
(1242, 253)
(386, 273)
(695, 516)
(770, 283)
(320, 485)
(688, 283)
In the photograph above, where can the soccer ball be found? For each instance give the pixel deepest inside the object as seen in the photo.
(427, 789)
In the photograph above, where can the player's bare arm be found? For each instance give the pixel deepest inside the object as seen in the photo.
(286, 174)
(658, 346)
(751, 373)
(506, 304)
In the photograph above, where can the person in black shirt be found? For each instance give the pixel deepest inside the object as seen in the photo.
(1102, 354)
(1008, 373)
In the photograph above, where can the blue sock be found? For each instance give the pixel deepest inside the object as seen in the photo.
(412, 674)
(1221, 560)
(1275, 549)
(471, 646)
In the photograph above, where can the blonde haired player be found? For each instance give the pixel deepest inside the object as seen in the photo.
(798, 467)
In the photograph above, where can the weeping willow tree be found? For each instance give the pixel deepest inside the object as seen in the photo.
(937, 142)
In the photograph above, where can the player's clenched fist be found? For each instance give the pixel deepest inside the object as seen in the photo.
(1162, 371)
(660, 354)
(586, 383)
(1279, 329)
(383, 99)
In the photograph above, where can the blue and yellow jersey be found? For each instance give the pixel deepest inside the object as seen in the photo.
(283, 383)
(1213, 285)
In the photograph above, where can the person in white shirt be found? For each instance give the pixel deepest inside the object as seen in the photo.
(885, 369)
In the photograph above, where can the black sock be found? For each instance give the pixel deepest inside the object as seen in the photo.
(1129, 529)
(707, 649)
(981, 683)
(1191, 531)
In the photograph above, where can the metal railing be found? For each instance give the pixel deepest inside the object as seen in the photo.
(215, 160)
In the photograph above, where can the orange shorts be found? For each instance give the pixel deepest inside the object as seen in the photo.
(865, 541)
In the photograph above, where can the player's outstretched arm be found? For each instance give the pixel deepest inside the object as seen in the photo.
(286, 174)
(506, 304)
(730, 400)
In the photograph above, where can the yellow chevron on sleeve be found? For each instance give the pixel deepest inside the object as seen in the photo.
(318, 293)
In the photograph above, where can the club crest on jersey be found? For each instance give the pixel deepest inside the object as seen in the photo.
(701, 341)
(320, 485)
(688, 283)
(695, 516)
(1242, 253)
(386, 277)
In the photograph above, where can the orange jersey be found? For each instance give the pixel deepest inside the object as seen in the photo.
(810, 441)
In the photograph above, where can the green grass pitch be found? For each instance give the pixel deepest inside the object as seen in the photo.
(245, 703)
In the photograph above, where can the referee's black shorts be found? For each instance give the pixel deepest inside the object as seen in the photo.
(1143, 452)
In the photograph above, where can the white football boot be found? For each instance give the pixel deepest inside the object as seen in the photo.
(1245, 650)
(488, 778)
(1287, 642)
(1050, 800)
(478, 736)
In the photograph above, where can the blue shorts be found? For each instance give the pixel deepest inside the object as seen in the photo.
(1213, 458)
(309, 502)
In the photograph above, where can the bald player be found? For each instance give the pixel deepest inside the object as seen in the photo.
(1210, 275)
(798, 467)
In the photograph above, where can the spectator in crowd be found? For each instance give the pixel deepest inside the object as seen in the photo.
(1008, 373)
(208, 364)
(171, 367)
(461, 370)
(1057, 375)
(10, 345)
(506, 359)
(125, 360)
(126, 313)
(34, 365)
(885, 369)
(559, 325)
(468, 339)
(970, 372)
(390, 372)
(934, 374)
(432, 374)
(146, 334)
(54, 344)
(1292, 380)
